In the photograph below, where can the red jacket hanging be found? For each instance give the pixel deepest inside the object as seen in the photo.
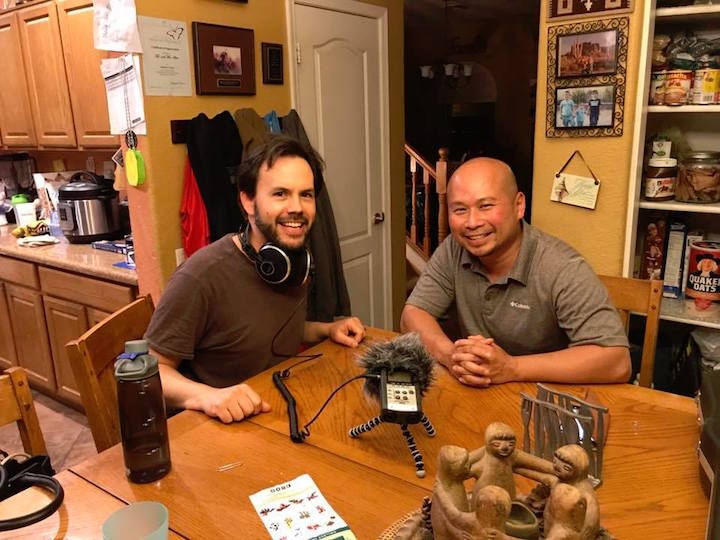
(193, 216)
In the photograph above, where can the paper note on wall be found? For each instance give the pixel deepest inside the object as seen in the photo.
(115, 26)
(575, 190)
(124, 94)
(166, 60)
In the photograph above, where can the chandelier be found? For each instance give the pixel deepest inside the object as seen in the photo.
(454, 74)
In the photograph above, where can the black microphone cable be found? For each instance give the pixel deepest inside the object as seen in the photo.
(279, 376)
(296, 435)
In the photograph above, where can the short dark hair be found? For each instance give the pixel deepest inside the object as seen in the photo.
(276, 147)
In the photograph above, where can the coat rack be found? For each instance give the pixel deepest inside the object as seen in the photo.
(178, 131)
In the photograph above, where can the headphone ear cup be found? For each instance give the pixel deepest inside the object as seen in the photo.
(302, 267)
(277, 267)
(273, 264)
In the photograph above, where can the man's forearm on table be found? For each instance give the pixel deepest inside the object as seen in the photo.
(179, 391)
(315, 331)
(579, 364)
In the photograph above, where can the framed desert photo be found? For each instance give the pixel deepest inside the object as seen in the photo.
(584, 107)
(224, 59)
(587, 54)
(588, 61)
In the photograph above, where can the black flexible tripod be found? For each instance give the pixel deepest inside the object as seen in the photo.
(416, 455)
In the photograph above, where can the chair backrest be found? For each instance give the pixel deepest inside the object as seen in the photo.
(639, 296)
(92, 357)
(16, 405)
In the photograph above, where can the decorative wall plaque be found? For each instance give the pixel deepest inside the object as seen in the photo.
(224, 59)
(272, 63)
(561, 9)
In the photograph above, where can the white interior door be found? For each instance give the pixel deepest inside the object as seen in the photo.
(341, 95)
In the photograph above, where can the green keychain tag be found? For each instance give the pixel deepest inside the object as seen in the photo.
(140, 162)
(134, 161)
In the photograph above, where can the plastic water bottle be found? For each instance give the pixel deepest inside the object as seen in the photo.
(141, 408)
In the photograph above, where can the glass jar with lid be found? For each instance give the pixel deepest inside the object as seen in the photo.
(660, 179)
(698, 178)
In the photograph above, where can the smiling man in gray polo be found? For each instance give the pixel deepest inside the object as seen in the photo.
(530, 306)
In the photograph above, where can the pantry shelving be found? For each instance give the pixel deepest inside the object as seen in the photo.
(702, 124)
(679, 310)
(668, 109)
(674, 206)
(689, 14)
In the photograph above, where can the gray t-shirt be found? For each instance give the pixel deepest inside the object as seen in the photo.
(222, 321)
(550, 300)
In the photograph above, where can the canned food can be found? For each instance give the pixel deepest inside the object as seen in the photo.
(677, 86)
(703, 279)
(657, 87)
(704, 87)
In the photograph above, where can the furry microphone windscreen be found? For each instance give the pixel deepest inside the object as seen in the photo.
(406, 353)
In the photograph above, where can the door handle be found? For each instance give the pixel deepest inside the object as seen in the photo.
(379, 217)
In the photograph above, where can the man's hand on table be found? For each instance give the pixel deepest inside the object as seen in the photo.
(349, 332)
(230, 404)
(479, 361)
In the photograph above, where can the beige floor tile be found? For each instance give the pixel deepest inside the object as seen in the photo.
(67, 435)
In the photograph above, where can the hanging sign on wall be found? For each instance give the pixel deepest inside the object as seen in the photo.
(563, 9)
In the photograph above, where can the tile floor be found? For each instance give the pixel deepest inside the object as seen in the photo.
(66, 432)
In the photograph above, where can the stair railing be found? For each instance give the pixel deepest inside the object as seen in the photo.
(437, 175)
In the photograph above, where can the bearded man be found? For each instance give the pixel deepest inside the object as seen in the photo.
(223, 317)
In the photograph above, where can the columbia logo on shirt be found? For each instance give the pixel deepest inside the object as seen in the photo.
(518, 305)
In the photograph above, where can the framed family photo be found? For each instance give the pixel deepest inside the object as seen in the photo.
(224, 59)
(587, 54)
(583, 107)
(586, 75)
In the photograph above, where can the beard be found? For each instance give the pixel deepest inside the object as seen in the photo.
(270, 231)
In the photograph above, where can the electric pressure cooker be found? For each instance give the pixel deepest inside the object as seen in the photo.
(88, 209)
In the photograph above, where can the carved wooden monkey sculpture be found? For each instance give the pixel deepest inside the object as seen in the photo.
(571, 467)
(565, 513)
(486, 522)
(494, 463)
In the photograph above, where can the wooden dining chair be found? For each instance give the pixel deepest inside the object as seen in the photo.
(92, 357)
(16, 405)
(644, 297)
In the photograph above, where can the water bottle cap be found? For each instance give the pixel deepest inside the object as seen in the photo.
(136, 346)
(135, 363)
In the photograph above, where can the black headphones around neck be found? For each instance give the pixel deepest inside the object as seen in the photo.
(275, 265)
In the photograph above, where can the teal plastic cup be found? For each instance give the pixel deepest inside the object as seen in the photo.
(147, 520)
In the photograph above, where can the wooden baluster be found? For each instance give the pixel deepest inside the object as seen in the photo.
(413, 223)
(441, 188)
(426, 235)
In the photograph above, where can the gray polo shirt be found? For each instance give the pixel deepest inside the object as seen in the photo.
(550, 300)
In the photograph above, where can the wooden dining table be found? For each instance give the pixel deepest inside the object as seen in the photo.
(651, 485)
(85, 507)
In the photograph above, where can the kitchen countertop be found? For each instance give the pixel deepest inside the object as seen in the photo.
(80, 258)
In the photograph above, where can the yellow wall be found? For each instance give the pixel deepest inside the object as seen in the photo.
(599, 235)
(156, 222)
(155, 206)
